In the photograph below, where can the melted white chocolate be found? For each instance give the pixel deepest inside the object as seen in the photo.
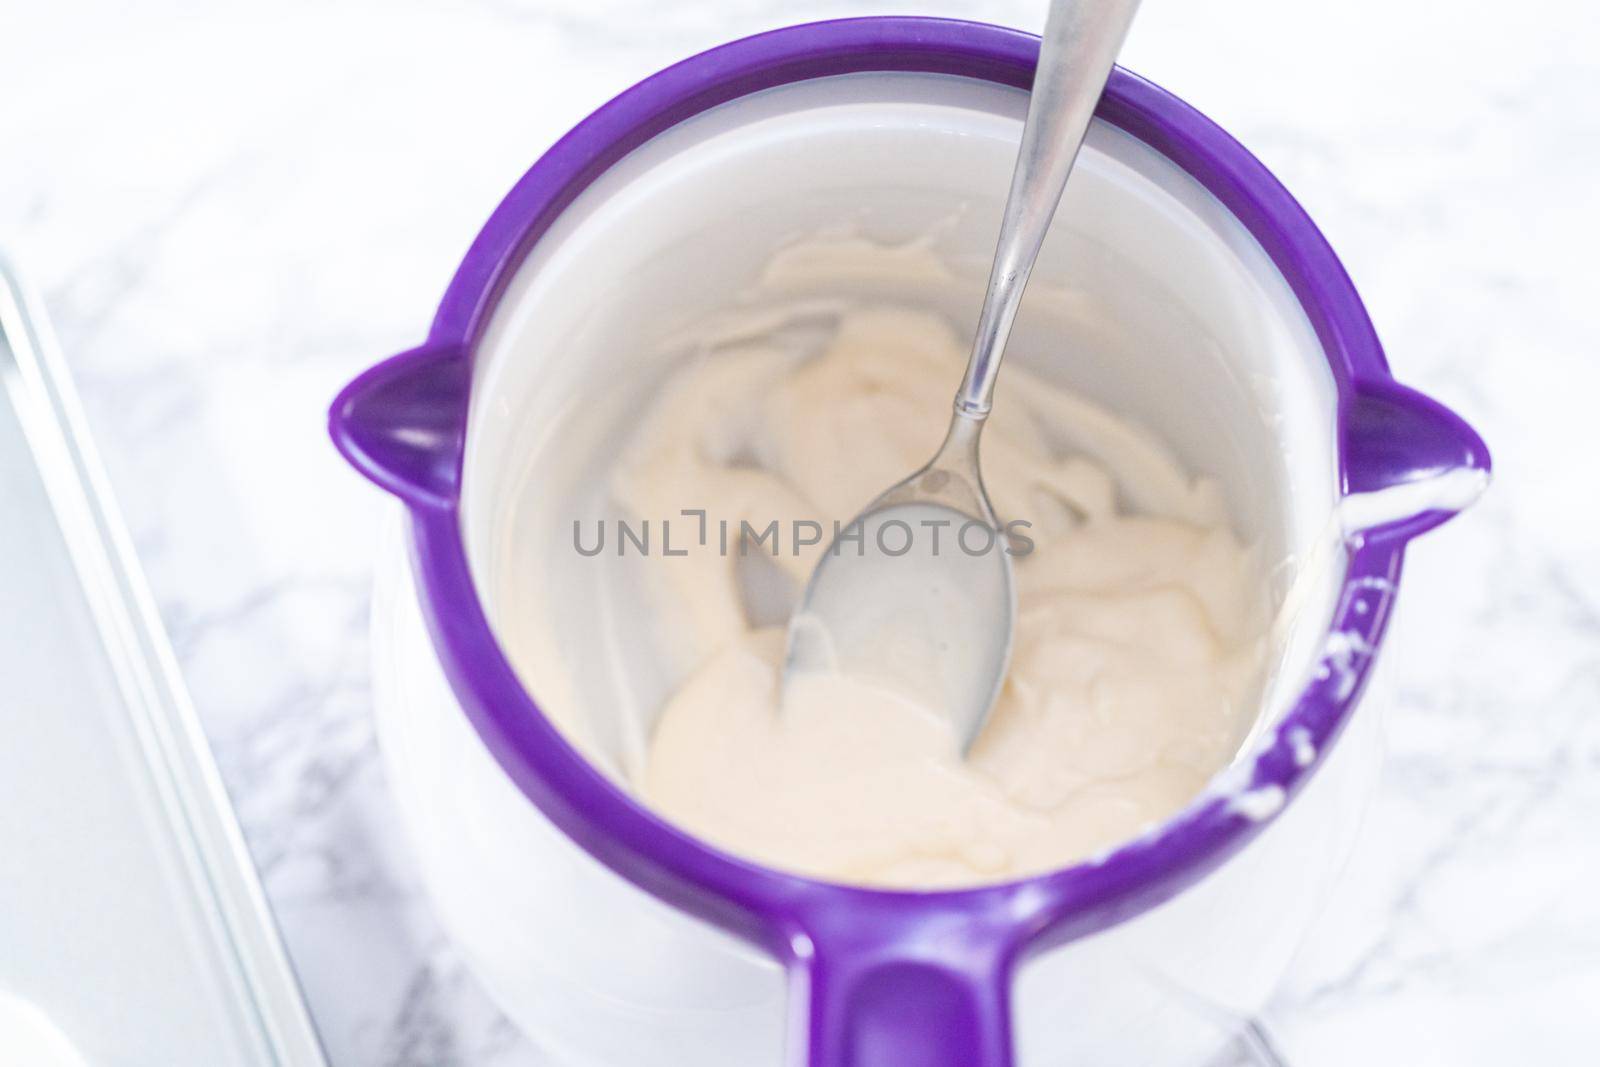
(1141, 641)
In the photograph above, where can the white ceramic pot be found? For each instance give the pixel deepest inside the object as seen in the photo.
(1181, 287)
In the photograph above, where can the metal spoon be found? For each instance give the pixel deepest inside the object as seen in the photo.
(912, 595)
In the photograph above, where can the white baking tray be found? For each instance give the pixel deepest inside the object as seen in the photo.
(133, 930)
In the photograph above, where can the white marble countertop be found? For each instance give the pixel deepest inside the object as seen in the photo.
(232, 208)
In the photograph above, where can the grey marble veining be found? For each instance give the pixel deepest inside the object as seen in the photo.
(232, 208)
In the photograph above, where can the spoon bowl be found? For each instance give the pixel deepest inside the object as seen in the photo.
(916, 596)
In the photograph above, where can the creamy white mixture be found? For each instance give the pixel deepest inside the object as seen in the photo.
(1141, 642)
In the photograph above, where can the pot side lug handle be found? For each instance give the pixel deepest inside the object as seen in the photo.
(1410, 463)
(893, 995)
(402, 423)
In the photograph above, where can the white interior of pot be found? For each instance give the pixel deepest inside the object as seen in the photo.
(1149, 298)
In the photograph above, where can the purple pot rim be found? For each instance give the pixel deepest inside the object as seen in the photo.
(786, 911)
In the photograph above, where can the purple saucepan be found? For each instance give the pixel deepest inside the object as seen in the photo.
(882, 977)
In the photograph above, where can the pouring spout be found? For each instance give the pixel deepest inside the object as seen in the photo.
(402, 424)
(1409, 462)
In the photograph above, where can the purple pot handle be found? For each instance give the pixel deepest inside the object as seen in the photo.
(881, 992)
(1392, 435)
(403, 424)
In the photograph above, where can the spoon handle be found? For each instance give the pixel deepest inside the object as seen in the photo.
(1081, 40)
